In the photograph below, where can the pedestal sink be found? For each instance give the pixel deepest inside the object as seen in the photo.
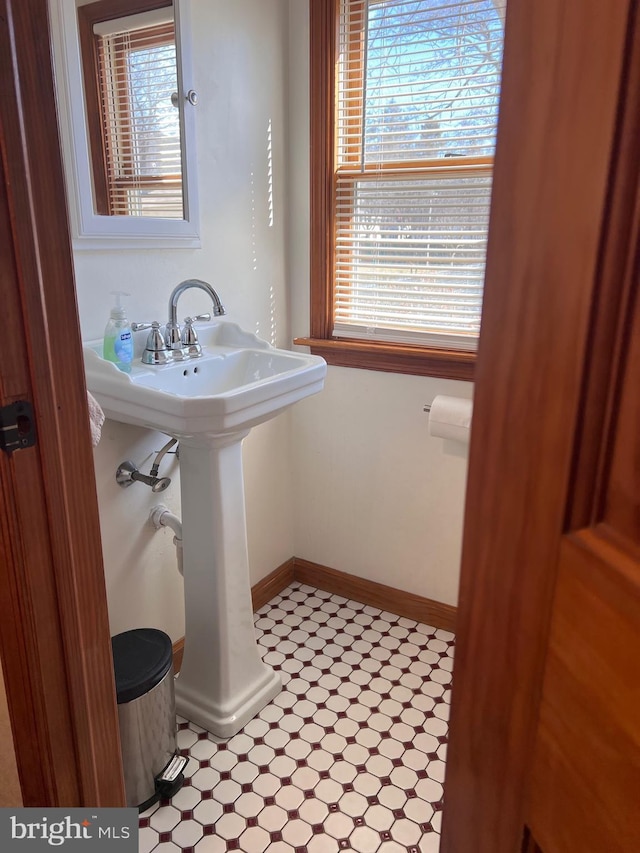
(210, 404)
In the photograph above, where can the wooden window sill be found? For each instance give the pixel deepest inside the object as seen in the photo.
(394, 358)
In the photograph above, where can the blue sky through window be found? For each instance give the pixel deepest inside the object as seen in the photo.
(432, 78)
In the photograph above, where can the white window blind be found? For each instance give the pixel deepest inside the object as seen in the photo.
(417, 100)
(137, 79)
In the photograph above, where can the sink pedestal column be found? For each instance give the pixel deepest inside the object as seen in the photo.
(223, 682)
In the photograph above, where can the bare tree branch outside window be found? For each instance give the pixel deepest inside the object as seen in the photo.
(433, 79)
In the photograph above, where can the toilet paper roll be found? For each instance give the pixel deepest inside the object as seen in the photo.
(450, 418)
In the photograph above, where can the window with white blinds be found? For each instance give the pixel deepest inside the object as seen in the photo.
(137, 81)
(417, 94)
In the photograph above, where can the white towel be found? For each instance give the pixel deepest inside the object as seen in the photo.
(96, 418)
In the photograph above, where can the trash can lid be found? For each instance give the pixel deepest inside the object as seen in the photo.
(141, 659)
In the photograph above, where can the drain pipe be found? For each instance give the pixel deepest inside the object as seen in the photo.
(161, 517)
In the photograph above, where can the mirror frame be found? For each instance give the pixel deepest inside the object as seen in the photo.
(90, 230)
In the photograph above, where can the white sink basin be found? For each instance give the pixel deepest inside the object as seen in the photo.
(238, 382)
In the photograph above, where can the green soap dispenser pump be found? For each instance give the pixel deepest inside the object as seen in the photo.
(118, 339)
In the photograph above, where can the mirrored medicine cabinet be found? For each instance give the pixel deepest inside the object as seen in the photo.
(127, 108)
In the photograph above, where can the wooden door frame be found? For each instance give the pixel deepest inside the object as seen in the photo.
(560, 142)
(54, 634)
(55, 640)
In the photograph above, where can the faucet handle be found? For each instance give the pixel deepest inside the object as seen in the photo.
(155, 351)
(189, 334)
(155, 341)
(190, 337)
(140, 327)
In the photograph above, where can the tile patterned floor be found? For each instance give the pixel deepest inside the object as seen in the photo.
(350, 756)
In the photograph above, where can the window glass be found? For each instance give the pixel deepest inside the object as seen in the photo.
(418, 85)
(432, 79)
(138, 97)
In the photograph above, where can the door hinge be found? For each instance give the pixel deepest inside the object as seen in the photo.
(17, 426)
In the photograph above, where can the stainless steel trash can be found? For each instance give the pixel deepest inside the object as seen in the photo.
(143, 665)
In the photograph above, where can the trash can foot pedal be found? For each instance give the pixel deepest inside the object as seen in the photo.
(173, 769)
(168, 782)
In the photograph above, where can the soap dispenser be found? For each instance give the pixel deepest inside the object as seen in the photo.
(118, 338)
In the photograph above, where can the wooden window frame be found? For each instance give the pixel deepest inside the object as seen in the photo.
(344, 352)
(88, 16)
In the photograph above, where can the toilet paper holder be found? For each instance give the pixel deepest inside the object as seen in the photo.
(450, 418)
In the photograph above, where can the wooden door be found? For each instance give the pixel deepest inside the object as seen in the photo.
(584, 792)
(54, 632)
(545, 729)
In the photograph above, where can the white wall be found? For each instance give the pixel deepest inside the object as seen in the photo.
(374, 495)
(239, 56)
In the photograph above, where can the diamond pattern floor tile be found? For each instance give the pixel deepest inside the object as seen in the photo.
(349, 756)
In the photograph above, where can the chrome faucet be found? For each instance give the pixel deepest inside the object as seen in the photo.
(173, 337)
(176, 344)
